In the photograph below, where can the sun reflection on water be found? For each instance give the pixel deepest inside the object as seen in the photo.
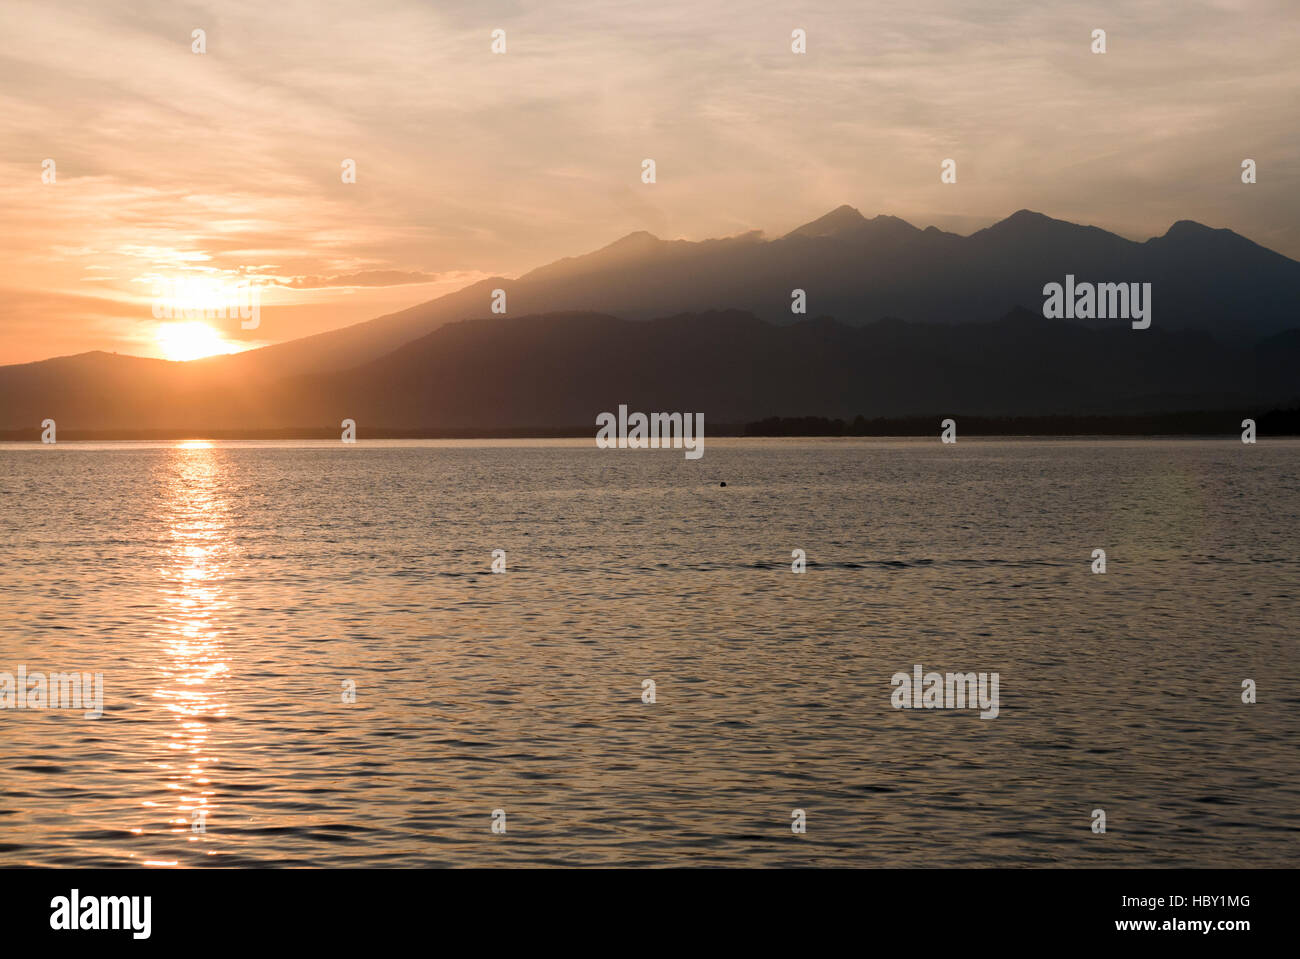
(193, 661)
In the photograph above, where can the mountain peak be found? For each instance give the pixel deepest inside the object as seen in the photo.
(1023, 219)
(639, 245)
(637, 239)
(839, 220)
(1034, 227)
(1191, 228)
(1189, 234)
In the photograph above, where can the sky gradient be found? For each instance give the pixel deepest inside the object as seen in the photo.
(227, 164)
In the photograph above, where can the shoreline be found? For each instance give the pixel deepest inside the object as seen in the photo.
(1225, 424)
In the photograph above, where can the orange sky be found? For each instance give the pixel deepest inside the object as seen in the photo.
(225, 166)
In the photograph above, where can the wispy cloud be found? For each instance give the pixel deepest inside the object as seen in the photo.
(364, 278)
(471, 164)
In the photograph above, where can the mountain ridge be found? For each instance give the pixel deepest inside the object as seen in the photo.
(1223, 331)
(849, 266)
(563, 368)
(859, 269)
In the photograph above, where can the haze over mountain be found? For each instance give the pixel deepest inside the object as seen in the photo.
(857, 270)
(721, 337)
(563, 368)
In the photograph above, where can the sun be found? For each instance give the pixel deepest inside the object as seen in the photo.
(191, 340)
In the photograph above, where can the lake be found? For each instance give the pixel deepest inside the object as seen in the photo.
(236, 596)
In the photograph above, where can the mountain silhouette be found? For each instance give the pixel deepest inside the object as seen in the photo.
(857, 270)
(707, 326)
(562, 369)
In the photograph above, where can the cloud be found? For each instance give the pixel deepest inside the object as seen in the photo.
(490, 164)
(364, 278)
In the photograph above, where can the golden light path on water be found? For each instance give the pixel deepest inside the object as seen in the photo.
(192, 661)
(228, 593)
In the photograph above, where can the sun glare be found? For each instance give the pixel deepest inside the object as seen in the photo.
(191, 340)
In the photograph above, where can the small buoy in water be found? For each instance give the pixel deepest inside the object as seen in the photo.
(723, 483)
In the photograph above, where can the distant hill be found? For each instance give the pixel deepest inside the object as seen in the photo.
(706, 326)
(564, 368)
(734, 367)
(858, 270)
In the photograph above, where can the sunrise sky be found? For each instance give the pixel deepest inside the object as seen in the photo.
(226, 165)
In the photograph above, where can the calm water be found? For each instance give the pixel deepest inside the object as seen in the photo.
(228, 591)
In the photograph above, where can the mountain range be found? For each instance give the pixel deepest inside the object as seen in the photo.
(901, 321)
